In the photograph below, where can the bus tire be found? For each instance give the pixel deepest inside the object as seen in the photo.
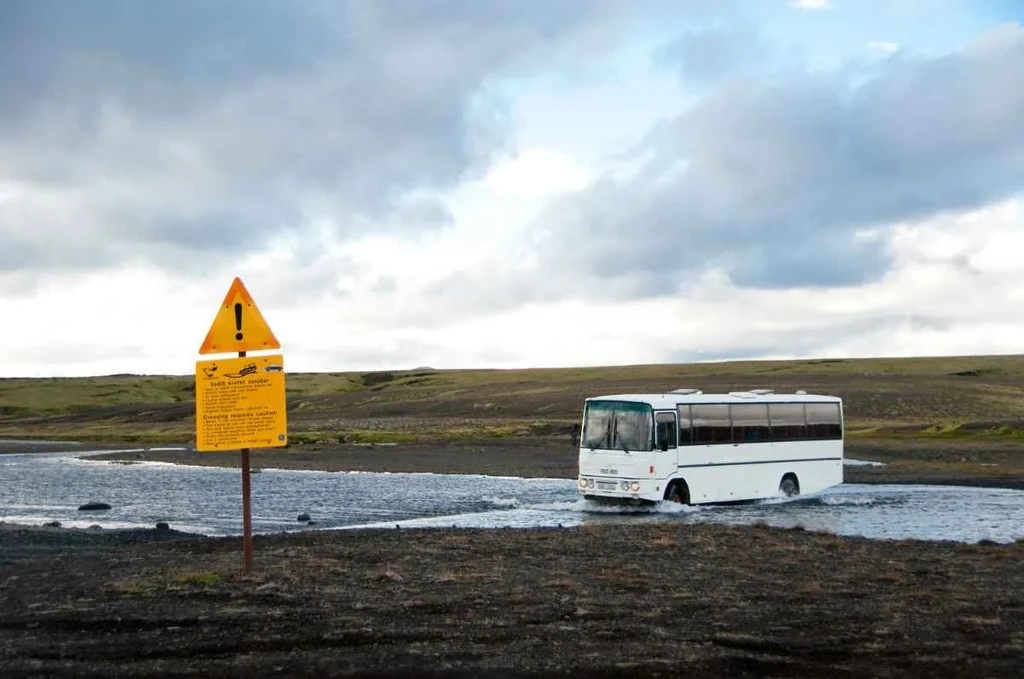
(789, 486)
(678, 492)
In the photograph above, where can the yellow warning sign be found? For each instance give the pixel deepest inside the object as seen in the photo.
(240, 403)
(238, 325)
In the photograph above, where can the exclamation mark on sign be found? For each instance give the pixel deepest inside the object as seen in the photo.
(238, 320)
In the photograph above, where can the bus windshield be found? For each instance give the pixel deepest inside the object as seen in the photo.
(617, 425)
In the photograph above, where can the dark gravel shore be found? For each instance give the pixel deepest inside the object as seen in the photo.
(614, 600)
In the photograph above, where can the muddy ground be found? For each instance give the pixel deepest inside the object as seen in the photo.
(679, 600)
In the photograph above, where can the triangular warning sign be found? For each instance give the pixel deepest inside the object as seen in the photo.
(239, 325)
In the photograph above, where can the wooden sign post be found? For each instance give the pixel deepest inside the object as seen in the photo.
(240, 402)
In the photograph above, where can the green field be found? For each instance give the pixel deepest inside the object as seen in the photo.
(975, 397)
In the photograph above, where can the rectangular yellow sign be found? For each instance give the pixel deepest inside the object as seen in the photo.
(240, 403)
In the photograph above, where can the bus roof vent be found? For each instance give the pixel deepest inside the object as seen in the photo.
(801, 391)
(743, 394)
(686, 391)
(762, 392)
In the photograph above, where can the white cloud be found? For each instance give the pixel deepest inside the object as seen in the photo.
(884, 46)
(538, 172)
(811, 5)
(955, 287)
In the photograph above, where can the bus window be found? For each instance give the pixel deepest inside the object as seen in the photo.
(750, 422)
(787, 421)
(619, 425)
(665, 431)
(632, 426)
(685, 431)
(597, 425)
(823, 421)
(711, 423)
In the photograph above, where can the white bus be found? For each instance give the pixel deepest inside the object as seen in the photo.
(693, 448)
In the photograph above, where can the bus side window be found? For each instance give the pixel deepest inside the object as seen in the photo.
(666, 430)
(750, 422)
(711, 423)
(787, 420)
(823, 421)
(685, 428)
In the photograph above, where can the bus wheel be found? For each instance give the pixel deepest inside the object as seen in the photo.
(789, 486)
(678, 492)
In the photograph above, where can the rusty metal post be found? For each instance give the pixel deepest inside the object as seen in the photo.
(246, 507)
(246, 513)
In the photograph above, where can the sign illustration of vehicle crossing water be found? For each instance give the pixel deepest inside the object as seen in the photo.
(240, 403)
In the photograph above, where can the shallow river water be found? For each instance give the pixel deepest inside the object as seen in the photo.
(37, 488)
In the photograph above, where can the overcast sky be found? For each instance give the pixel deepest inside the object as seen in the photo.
(510, 183)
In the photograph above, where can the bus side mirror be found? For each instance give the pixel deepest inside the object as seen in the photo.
(663, 445)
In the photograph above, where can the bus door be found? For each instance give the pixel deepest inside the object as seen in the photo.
(666, 431)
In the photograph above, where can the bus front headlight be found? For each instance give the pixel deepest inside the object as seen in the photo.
(635, 487)
(625, 485)
(583, 483)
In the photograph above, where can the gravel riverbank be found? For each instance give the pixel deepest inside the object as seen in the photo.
(682, 600)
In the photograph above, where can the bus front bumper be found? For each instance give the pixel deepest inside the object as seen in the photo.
(625, 489)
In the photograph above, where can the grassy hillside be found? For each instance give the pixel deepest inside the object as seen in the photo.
(947, 397)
